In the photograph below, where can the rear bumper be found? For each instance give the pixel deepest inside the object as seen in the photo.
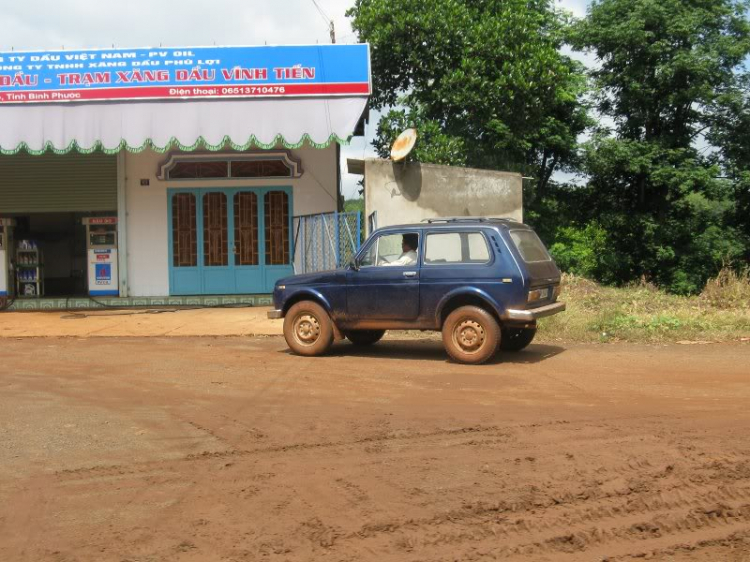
(534, 313)
(275, 314)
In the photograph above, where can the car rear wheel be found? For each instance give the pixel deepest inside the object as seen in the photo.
(308, 329)
(471, 335)
(516, 339)
(364, 337)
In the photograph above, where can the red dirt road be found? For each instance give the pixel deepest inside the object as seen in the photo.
(230, 449)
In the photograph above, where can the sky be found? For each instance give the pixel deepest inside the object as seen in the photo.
(72, 24)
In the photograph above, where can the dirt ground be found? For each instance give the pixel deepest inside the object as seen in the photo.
(231, 449)
(162, 321)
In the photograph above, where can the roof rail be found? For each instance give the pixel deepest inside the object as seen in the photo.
(468, 219)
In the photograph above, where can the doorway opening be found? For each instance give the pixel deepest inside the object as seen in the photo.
(50, 255)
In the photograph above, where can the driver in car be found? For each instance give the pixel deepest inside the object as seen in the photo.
(409, 245)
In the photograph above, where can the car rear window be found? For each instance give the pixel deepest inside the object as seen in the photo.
(529, 245)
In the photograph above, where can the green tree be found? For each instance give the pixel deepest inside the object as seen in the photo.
(666, 71)
(730, 133)
(483, 81)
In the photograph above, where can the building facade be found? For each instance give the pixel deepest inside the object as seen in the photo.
(187, 178)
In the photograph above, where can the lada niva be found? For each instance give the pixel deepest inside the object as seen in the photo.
(482, 282)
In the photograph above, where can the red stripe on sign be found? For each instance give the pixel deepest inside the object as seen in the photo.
(183, 92)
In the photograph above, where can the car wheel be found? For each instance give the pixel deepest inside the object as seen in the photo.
(471, 335)
(364, 337)
(308, 329)
(516, 339)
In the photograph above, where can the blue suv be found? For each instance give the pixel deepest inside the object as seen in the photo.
(483, 282)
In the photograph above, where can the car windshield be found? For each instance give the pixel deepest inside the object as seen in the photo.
(529, 245)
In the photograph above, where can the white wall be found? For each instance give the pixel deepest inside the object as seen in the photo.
(408, 193)
(147, 216)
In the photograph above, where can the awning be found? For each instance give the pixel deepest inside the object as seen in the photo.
(187, 125)
(188, 98)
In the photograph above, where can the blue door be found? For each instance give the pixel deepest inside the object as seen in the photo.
(229, 241)
(382, 288)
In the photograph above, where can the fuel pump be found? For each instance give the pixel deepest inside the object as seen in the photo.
(101, 245)
(6, 253)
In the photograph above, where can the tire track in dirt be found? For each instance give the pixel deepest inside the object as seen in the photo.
(558, 511)
(345, 468)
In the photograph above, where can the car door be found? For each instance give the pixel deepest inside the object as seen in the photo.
(457, 260)
(382, 287)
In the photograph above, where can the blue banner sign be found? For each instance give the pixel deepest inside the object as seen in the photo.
(184, 73)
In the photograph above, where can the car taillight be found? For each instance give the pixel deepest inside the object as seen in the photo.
(538, 294)
(556, 292)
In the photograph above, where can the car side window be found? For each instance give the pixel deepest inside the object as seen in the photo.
(456, 247)
(368, 258)
(401, 249)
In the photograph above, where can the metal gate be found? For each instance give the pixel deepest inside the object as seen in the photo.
(326, 241)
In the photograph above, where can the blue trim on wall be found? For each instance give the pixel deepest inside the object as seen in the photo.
(108, 293)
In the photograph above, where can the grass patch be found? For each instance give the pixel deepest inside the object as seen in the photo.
(643, 313)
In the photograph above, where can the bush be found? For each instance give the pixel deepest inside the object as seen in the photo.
(730, 289)
(581, 251)
(641, 312)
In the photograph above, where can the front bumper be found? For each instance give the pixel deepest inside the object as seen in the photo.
(275, 314)
(534, 313)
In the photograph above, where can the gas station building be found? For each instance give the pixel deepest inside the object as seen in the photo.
(167, 176)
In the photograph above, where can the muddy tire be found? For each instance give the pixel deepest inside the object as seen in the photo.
(471, 335)
(308, 329)
(516, 339)
(364, 337)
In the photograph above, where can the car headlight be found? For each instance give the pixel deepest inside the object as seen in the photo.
(281, 287)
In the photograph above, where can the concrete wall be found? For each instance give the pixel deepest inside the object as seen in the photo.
(408, 193)
(147, 216)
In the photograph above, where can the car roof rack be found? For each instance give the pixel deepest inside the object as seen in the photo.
(468, 219)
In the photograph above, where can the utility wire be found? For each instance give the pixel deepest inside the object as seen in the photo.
(329, 21)
(322, 13)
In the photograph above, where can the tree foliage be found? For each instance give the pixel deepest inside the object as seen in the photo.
(666, 167)
(484, 81)
(667, 70)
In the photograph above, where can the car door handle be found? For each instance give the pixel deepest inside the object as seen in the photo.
(410, 274)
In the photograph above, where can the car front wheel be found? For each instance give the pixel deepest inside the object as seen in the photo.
(471, 335)
(364, 337)
(308, 329)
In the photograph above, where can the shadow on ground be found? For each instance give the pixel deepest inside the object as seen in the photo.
(430, 350)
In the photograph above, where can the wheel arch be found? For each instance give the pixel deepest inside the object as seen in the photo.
(475, 297)
(306, 295)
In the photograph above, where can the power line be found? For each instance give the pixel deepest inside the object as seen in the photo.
(329, 21)
(322, 13)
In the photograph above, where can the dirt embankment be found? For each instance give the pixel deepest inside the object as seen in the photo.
(231, 449)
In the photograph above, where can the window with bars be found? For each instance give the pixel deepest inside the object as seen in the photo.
(259, 169)
(208, 169)
(215, 242)
(184, 230)
(245, 228)
(276, 205)
(230, 169)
